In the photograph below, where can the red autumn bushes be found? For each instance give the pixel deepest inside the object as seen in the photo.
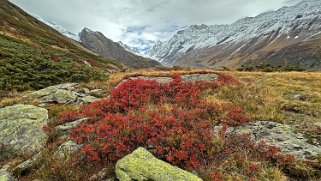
(169, 118)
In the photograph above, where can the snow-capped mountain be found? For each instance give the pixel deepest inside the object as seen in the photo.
(59, 28)
(248, 39)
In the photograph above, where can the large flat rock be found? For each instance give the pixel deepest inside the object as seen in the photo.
(282, 136)
(142, 165)
(21, 128)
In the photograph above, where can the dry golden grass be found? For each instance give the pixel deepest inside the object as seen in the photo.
(287, 97)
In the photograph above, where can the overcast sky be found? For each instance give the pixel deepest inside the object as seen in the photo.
(140, 23)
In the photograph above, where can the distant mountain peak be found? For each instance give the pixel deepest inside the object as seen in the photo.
(223, 43)
(100, 44)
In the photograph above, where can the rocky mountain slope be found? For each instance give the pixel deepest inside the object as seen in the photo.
(105, 47)
(288, 36)
(34, 55)
(133, 50)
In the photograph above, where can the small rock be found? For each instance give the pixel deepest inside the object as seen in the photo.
(63, 130)
(87, 99)
(97, 93)
(142, 165)
(101, 176)
(66, 149)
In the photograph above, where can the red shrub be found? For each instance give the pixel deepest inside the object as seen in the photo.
(170, 119)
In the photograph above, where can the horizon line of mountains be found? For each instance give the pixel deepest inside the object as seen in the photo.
(288, 36)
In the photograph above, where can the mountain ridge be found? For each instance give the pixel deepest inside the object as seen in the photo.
(100, 44)
(244, 41)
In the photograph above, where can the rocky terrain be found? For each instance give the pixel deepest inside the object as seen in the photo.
(288, 36)
(26, 141)
(98, 43)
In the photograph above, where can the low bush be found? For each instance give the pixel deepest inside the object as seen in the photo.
(174, 122)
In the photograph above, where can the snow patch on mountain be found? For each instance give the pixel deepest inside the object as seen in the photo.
(302, 18)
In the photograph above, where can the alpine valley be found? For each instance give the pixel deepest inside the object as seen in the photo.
(289, 36)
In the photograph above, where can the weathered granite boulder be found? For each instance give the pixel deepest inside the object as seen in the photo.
(142, 165)
(21, 128)
(282, 136)
(68, 93)
(199, 77)
(63, 130)
(62, 93)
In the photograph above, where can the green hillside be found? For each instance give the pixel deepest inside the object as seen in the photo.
(33, 55)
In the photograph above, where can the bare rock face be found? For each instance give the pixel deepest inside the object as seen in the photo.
(21, 128)
(142, 165)
(98, 43)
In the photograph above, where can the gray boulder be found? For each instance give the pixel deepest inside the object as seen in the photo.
(199, 77)
(282, 136)
(68, 93)
(21, 128)
(63, 130)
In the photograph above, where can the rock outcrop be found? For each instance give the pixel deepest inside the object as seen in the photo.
(68, 93)
(21, 128)
(142, 165)
(185, 78)
(280, 135)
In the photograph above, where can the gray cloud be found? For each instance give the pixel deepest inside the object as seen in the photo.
(137, 21)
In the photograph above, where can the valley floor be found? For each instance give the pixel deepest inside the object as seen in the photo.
(289, 101)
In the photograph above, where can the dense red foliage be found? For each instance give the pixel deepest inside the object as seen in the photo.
(171, 119)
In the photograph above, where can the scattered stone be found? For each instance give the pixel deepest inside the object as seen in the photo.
(97, 93)
(67, 149)
(282, 136)
(158, 79)
(5, 175)
(199, 77)
(87, 99)
(21, 128)
(63, 130)
(142, 165)
(27, 165)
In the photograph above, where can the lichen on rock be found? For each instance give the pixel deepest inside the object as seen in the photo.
(142, 165)
(21, 128)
